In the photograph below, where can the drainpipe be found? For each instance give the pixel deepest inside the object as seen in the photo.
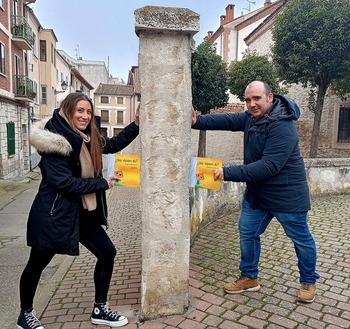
(30, 117)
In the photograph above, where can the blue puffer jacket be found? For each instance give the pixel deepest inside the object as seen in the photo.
(273, 167)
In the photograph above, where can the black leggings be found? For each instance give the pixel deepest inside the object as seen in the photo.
(96, 240)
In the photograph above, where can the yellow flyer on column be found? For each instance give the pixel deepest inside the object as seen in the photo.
(202, 173)
(127, 170)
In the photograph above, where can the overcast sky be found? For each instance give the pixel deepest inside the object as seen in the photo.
(105, 29)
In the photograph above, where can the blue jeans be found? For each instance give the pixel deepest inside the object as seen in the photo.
(253, 223)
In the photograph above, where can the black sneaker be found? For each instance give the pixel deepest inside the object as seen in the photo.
(102, 314)
(28, 320)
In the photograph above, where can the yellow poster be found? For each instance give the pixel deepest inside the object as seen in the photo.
(202, 173)
(127, 170)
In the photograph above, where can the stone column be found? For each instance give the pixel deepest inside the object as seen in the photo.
(165, 36)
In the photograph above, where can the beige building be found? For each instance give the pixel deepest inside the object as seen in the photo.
(95, 72)
(115, 104)
(34, 79)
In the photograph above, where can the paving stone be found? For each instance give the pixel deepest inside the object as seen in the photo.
(214, 260)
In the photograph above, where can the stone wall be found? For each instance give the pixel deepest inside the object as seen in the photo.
(324, 176)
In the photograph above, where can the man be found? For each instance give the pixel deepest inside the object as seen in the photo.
(276, 184)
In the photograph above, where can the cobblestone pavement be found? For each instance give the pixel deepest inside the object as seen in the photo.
(214, 260)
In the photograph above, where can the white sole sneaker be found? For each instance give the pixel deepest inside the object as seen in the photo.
(112, 324)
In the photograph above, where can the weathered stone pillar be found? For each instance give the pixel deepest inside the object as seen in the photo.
(166, 103)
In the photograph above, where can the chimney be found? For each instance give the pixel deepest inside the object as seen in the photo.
(210, 34)
(222, 20)
(229, 13)
(267, 3)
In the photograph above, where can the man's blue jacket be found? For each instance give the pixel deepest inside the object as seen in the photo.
(273, 168)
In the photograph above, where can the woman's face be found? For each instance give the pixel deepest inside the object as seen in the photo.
(82, 115)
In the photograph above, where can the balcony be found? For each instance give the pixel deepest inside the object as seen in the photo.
(24, 88)
(22, 34)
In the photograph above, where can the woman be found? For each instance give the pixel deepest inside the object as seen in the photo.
(70, 206)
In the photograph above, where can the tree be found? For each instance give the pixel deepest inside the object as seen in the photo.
(312, 47)
(251, 67)
(209, 84)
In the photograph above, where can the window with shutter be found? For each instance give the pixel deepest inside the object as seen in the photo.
(120, 117)
(104, 116)
(10, 138)
(105, 99)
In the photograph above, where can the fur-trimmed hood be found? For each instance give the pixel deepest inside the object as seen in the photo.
(48, 142)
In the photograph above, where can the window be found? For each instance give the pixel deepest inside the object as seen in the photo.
(2, 59)
(120, 100)
(344, 125)
(17, 66)
(104, 116)
(2, 3)
(34, 45)
(10, 126)
(35, 89)
(43, 50)
(43, 95)
(53, 55)
(15, 7)
(105, 99)
(120, 117)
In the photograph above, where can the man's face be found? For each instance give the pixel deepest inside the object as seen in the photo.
(258, 103)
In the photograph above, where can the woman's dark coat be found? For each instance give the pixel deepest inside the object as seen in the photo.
(53, 221)
(273, 167)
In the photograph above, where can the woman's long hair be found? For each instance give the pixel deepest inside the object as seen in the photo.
(68, 106)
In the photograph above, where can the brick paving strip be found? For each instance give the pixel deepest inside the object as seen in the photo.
(214, 260)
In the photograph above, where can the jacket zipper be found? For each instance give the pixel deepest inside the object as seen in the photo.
(54, 204)
(103, 211)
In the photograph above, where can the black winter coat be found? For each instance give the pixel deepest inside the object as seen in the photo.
(53, 221)
(273, 168)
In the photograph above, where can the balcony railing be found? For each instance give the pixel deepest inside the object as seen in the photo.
(22, 33)
(24, 87)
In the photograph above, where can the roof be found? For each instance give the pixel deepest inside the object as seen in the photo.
(266, 23)
(81, 78)
(110, 89)
(242, 21)
(260, 13)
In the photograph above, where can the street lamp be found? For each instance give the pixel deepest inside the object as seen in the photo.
(63, 86)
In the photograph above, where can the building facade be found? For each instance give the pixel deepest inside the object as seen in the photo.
(115, 105)
(229, 38)
(33, 81)
(17, 89)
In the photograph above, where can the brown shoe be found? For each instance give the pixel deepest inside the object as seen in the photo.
(242, 284)
(307, 293)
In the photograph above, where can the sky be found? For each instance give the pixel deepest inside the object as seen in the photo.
(104, 30)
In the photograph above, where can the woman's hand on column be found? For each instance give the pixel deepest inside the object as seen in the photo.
(109, 181)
